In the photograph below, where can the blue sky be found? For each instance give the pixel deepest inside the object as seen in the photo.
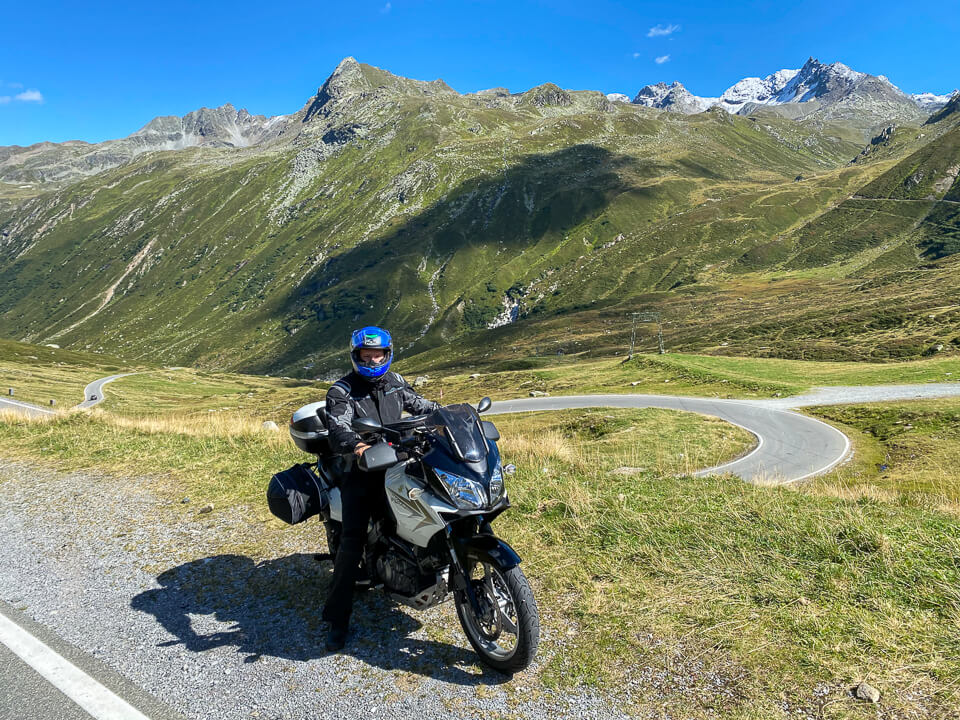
(102, 70)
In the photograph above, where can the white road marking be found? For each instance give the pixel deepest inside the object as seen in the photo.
(97, 700)
(832, 463)
(717, 468)
(27, 405)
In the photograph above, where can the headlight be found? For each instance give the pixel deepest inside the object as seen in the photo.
(496, 485)
(466, 494)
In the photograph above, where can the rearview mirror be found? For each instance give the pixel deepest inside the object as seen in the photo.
(366, 425)
(484, 405)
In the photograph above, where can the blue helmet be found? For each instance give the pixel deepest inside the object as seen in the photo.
(370, 337)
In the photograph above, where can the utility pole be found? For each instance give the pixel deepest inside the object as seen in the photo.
(649, 316)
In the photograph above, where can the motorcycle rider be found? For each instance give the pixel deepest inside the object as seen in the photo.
(369, 391)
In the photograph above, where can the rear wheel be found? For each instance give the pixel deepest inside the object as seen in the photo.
(507, 631)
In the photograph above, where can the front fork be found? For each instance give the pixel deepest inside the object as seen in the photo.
(482, 546)
(461, 583)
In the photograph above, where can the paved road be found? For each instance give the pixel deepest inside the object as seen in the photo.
(790, 447)
(22, 407)
(45, 678)
(95, 389)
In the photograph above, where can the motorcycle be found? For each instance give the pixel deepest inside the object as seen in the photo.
(444, 485)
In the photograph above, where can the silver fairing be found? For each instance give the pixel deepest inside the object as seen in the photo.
(416, 509)
(336, 509)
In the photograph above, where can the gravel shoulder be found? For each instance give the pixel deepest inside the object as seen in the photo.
(170, 599)
(846, 394)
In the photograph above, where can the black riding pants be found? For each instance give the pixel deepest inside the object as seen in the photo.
(361, 494)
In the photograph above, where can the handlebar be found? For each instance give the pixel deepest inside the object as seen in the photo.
(368, 426)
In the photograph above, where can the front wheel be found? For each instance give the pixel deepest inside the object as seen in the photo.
(507, 632)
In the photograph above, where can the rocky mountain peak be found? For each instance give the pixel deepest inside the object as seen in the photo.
(756, 90)
(674, 97)
(351, 79)
(219, 126)
(547, 95)
(651, 95)
(840, 93)
(816, 79)
(494, 92)
(347, 76)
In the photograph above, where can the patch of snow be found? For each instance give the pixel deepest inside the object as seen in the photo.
(274, 120)
(673, 97)
(618, 97)
(931, 102)
(756, 90)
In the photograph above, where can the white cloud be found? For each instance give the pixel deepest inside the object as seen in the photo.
(30, 96)
(662, 59)
(636, 55)
(386, 8)
(661, 30)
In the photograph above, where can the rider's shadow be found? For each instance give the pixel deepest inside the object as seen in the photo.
(273, 609)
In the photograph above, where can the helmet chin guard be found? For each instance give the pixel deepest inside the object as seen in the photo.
(372, 338)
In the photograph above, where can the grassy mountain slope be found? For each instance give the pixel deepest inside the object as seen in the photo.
(913, 206)
(400, 202)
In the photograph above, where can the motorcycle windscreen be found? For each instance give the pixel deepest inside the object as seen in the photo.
(460, 425)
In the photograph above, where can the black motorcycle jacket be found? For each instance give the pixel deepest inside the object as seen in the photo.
(383, 400)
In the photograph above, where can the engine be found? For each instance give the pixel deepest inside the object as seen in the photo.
(398, 573)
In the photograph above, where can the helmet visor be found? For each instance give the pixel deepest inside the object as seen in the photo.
(372, 358)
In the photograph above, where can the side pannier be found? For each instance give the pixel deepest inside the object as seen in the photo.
(296, 494)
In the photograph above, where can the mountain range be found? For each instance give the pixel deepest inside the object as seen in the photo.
(488, 225)
(815, 92)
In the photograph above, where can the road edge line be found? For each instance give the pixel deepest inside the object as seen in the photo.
(29, 406)
(829, 466)
(89, 694)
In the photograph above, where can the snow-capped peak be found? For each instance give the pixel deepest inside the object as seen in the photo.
(652, 95)
(931, 102)
(673, 97)
(618, 97)
(756, 90)
(813, 80)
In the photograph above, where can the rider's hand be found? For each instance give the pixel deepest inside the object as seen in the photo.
(359, 449)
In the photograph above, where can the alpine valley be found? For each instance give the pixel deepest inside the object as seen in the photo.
(813, 213)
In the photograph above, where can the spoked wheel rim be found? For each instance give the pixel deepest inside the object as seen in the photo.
(496, 631)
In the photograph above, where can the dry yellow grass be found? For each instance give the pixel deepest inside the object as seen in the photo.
(234, 425)
(14, 416)
(757, 588)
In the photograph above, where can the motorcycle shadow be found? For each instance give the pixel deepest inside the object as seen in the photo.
(272, 608)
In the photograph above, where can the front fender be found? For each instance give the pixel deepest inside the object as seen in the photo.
(486, 549)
